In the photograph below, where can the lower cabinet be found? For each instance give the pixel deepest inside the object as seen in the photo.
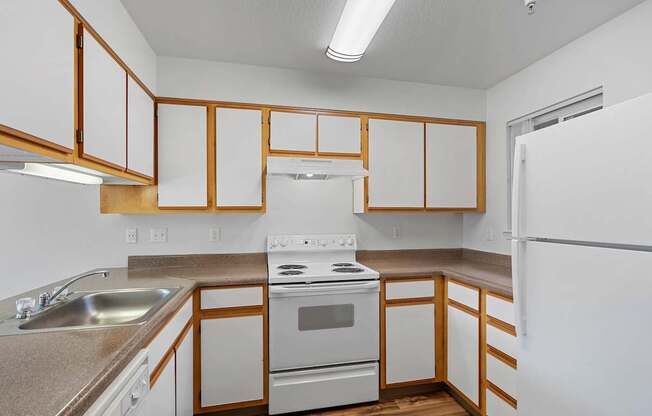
(184, 374)
(233, 347)
(410, 343)
(497, 406)
(464, 353)
(161, 398)
(409, 332)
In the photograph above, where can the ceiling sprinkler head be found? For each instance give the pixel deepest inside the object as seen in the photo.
(529, 4)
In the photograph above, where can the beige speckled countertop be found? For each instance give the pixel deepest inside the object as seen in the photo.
(62, 373)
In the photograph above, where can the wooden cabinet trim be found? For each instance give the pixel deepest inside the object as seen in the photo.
(501, 325)
(169, 354)
(198, 316)
(409, 301)
(501, 394)
(499, 355)
(500, 296)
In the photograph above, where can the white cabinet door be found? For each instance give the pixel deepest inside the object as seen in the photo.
(161, 398)
(296, 132)
(182, 172)
(339, 134)
(140, 130)
(451, 166)
(105, 105)
(184, 376)
(231, 360)
(410, 343)
(395, 164)
(38, 65)
(239, 157)
(463, 353)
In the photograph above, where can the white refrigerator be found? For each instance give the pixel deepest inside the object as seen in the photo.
(582, 264)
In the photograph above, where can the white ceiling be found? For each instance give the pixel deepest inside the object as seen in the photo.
(469, 43)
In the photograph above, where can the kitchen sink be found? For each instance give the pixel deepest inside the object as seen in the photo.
(101, 309)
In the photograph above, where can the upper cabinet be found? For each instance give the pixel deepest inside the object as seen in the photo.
(182, 156)
(451, 166)
(140, 130)
(37, 101)
(293, 132)
(239, 158)
(395, 164)
(339, 135)
(105, 105)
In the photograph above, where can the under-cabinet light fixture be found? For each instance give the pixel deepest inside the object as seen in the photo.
(50, 172)
(358, 24)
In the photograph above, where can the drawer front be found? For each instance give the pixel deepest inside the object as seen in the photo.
(502, 375)
(500, 309)
(411, 289)
(304, 389)
(497, 406)
(464, 295)
(503, 341)
(231, 297)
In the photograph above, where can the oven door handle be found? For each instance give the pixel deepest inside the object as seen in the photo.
(315, 289)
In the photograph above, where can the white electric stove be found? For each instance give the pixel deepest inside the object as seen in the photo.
(323, 323)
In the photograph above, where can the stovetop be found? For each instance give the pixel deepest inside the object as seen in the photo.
(319, 272)
(314, 258)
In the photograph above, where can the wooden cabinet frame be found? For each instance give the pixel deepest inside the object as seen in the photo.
(480, 160)
(437, 330)
(42, 146)
(200, 314)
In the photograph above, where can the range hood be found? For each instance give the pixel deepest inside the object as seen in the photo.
(315, 168)
(18, 161)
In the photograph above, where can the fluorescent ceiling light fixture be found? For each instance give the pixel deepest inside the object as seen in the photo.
(358, 24)
(51, 172)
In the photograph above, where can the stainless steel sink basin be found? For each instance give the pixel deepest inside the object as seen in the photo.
(101, 309)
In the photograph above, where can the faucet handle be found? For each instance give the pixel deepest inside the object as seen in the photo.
(64, 293)
(25, 307)
(44, 299)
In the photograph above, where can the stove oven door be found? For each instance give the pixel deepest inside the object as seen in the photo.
(321, 324)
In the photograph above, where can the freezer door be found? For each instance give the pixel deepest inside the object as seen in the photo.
(588, 179)
(588, 342)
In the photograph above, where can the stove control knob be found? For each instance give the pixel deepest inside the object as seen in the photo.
(349, 241)
(284, 243)
(323, 243)
(274, 243)
(340, 241)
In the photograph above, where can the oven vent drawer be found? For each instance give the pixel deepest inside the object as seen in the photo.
(294, 391)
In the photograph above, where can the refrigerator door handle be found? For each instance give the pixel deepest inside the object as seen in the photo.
(518, 242)
(519, 289)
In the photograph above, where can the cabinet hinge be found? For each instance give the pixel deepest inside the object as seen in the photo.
(80, 136)
(80, 41)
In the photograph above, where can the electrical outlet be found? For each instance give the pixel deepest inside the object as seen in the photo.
(131, 236)
(214, 234)
(396, 232)
(158, 235)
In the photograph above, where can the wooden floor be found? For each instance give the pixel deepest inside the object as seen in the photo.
(438, 403)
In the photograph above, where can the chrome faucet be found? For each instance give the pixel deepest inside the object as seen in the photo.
(46, 298)
(27, 307)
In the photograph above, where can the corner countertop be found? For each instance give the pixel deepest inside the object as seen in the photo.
(63, 372)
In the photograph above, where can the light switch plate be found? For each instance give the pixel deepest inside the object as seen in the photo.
(158, 235)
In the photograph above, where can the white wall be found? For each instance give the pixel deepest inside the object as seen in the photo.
(52, 230)
(112, 21)
(615, 56)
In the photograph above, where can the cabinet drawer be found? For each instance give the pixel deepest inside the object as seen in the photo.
(497, 406)
(502, 375)
(503, 341)
(500, 309)
(231, 297)
(464, 295)
(410, 289)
